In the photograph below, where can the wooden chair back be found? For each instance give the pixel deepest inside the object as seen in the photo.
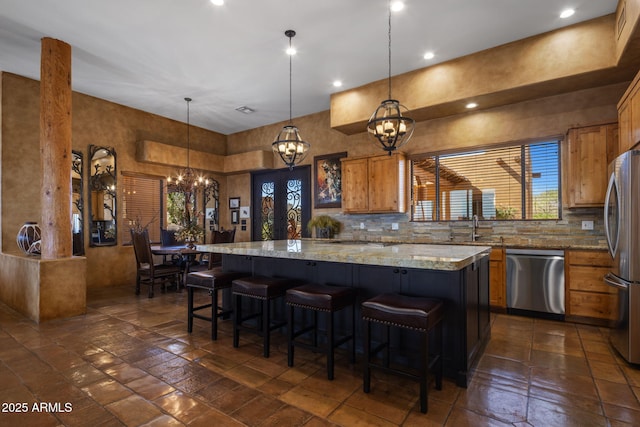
(226, 236)
(142, 248)
(168, 238)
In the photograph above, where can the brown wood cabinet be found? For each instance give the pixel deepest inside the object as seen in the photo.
(588, 153)
(374, 184)
(629, 116)
(587, 295)
(497, 279)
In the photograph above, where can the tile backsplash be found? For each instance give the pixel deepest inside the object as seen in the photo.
(564, 233)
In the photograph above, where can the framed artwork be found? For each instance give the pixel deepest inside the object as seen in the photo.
(328, 180)
(244, 212)
(234, 202)
(235, 216)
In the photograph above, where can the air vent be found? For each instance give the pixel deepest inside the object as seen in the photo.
(246, 110)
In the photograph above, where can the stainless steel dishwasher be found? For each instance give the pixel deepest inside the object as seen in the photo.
(535, 283)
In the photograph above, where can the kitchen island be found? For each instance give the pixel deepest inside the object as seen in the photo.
(459, 275)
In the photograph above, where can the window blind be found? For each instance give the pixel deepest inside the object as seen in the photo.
(141, 205)
(513, 182)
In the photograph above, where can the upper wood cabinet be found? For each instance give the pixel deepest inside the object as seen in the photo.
(629, 116)
(374, 184)
(585, 159)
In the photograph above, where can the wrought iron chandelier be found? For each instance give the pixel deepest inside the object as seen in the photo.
(188, 180)
(288, 143)
(390, 127)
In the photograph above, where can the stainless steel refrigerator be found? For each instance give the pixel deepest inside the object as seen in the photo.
(622, 229)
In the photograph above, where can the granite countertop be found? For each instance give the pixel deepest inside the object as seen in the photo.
(424, 256)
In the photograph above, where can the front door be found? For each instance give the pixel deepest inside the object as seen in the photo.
(281, 203)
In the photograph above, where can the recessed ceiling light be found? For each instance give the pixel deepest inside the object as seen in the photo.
(567, 13)
(429, 55)
(217, 2)
(397, 6)
(337, 83)
(471, 105)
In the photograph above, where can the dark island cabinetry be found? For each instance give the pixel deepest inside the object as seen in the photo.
(464, 291)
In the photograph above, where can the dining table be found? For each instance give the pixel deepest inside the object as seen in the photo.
(187, 255)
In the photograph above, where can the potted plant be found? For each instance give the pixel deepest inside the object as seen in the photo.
(325, 226)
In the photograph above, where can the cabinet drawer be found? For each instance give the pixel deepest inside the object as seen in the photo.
(589, 304)
(591, 258)
(589, 279)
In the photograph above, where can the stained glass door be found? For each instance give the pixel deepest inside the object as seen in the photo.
(281, 203)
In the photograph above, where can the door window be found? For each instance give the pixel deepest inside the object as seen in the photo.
(281, 203)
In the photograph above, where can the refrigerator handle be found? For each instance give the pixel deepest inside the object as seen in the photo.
(607, 231)
(616, 282)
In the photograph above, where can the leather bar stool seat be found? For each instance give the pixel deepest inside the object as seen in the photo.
(320, 298)
(264, 289)
(417, 313)
(212, 281)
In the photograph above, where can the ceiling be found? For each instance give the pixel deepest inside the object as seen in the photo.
(151, 54)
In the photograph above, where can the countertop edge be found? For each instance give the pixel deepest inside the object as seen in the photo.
(392, 255)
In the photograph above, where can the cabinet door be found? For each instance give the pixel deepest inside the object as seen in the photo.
(497, 290)
(625, 134)
(634, 100)
(355, 185)
(587, 165)
(383, 188)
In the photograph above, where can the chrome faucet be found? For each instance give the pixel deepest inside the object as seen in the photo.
(474, 228)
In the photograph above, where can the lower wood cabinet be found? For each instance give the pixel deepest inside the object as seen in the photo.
(588, 298)
(497, 280)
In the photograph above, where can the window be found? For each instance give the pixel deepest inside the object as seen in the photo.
(513, 182)
(141, 204)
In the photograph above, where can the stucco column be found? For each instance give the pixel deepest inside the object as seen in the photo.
(55, 149)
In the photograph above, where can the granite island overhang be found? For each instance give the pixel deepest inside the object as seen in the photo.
(407, 255)
(459, 275)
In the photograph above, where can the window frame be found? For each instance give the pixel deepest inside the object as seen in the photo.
(436, 203)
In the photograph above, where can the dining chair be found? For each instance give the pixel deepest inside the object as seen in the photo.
(225, 236)
(168, 238)
(149, 273)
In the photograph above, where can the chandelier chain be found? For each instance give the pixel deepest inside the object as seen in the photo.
(389, 48)
(290, 81)
(188, 132)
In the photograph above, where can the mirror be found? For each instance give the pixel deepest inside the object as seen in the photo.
(102, 196)
(211, 203)
(77, 205)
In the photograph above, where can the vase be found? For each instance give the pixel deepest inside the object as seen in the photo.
(190, 242)
(324, 232)
(28, 238)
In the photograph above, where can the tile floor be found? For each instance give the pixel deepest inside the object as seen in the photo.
(129, 361)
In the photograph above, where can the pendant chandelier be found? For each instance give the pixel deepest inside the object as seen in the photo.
(288, 143)
(188, 180)
(390, 127)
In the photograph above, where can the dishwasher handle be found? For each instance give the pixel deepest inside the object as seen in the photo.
(616, 282)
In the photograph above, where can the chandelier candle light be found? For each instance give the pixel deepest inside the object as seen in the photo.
(288, 143)
(387, 124)
(187, 180)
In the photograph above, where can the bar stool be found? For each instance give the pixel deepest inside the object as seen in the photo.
(264, 289)
(417, 313)
(327, 299)
(212, 281)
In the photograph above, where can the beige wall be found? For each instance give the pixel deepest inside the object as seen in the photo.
(531, 119)
(100, 122)
(96, 122)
